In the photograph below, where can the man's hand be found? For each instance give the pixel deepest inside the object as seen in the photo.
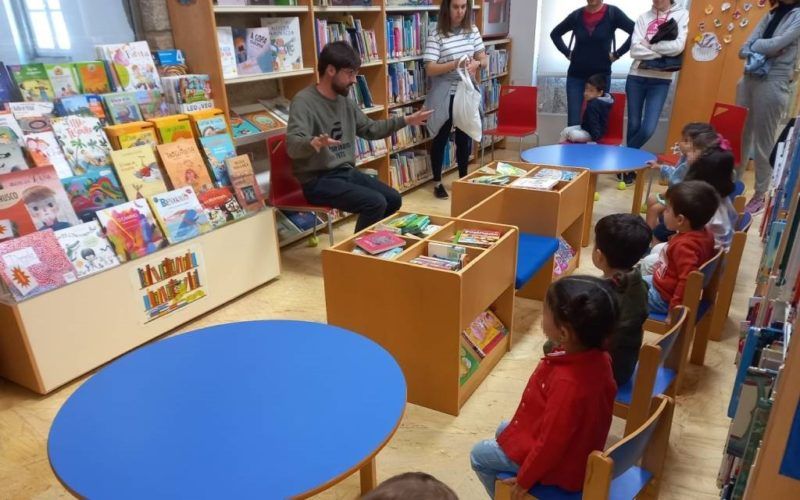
(419, 117)
(323, 141)
(517, 493)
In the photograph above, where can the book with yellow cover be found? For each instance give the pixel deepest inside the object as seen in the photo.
(172, 128)
(185, 166)
(144, 137)
(138, 172)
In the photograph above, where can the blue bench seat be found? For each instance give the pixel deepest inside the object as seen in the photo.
(625, 486)
(533, 253)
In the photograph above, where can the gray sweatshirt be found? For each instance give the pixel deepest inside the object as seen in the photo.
(781, 49)
(312, 114)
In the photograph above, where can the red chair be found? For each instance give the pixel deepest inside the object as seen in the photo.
(516, 114)
(284, 188)
(728, 120)
(616, 121)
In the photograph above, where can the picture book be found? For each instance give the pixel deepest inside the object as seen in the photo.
(534, 183)
(286, 47)
(34, 264)
(7, 121)
(83, 141)
(138, 172)
(240, 172)
(92, 77)
(132, 64)
(152, 104)
(477, 237)
(122, 107)
(253, 51)
(131, 229)
(63, 79)
(279, 106)
(11, 158)
(264, 120)
(468, 363)
(8, 89)
(379, 241)
(97, 109)
(40, 192)
(33, 82)
(87, 248)
(304, 221)
(44, 150)
(213, 125)
(227, 52)
(175, 130)
(485, 332)
(242, 128)
(180, 214)
(184, 165)
(34, 125)
(95, 190)
(31, 109)
(144, 137)
(73, 105)
(284, 226)
(221, 206)
(218, 148)
(187, 89)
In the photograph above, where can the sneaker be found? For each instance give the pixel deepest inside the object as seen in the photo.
(629, 178)
(755, 205)
(440, 192)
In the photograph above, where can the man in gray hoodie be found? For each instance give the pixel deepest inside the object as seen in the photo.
(321, 136)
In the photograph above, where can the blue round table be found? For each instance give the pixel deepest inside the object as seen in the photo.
(598, 159)
(260, 409)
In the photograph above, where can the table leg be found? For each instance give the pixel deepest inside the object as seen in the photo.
(587, 215)
(638, 191)
(369, 479)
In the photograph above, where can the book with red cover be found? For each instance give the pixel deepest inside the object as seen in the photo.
(34, 264)
(379, 241)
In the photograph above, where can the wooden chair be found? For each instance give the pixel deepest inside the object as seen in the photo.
(629, 469)
(660, 365)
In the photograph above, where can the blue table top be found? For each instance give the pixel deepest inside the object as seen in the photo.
(260, 409)
(598, 158)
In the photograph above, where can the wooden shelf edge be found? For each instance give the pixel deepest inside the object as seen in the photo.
(485, 367)
(260, 9)
(370, 159)
(409, 146)
(347, 8)
(411, 8)
(269, 76)
(261, 136)
(404, 59)
(499, 41)
(407, 103)
(494, 77)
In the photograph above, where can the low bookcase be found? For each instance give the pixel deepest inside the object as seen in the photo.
(418, 313)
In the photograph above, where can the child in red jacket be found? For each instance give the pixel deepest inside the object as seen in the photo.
(690, 205)
(566, 409)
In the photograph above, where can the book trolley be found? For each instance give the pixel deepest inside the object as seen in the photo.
(417, 313)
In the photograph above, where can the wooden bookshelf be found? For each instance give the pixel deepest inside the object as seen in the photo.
(418, 313)
(503, 78)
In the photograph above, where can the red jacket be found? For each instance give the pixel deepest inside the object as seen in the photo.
(684, 253)
(564, 415)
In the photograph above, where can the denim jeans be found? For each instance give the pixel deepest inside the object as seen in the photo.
(646, 98)
(488, 460)
(655, 302)
(575, 87)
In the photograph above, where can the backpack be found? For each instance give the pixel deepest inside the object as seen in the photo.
(577, 17)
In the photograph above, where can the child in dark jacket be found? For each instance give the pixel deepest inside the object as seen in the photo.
(595, 117)
(566, 409)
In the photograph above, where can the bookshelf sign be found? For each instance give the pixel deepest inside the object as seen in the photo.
(170, 283)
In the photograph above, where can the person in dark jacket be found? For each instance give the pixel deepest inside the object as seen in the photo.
(593, 28)
(595, 117)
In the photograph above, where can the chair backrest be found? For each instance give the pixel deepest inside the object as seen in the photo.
(728, 120)
(744, 222)
(282, 181)
(518, 106)
(616, 121)
(630, 450)
(668, 340)
(710, 267)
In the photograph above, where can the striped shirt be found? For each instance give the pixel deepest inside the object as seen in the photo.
(442, 49)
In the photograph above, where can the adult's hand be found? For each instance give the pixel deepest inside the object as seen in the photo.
(473, 66)
(323, 141)
(419, 117)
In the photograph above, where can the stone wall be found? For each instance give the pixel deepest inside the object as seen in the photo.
(155, 25)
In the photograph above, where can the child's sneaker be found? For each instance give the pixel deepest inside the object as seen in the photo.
(755, 205)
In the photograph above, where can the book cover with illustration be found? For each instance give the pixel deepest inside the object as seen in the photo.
(8, 89)
(122, 107)
(144, 137)
(87, 248)
(132, 64)
(180, 214)
(264, 120)
(44, 150)
(221, 206)
(31, 109)
(485, 332)
(253, 51)
(242, 128)
(152, 104)
(35, 124)
(213, 125)
(41, 194)
(95, 190)
(92, 77)
(33, 82)
(138, 172)
(34, 264)
(468, 363)
(73, 105)
(286, 46)
(218, 148)
(83, 141)
(175, 130)
(63, 79)
(9, 124)
(185, 166)
(227, 53)
(11, 158)
(379, 241)
(131, 229)
(240, 172)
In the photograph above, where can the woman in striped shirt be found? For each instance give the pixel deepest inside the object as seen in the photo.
(454, 37)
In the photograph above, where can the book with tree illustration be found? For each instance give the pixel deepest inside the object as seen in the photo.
(34, 264)
(218, 148)
(240, 172)
(93, 191)
(180, 214)
(131, 229)
(138, 172)
(40, 193)
(83, 141)
(87, 248)
(185, 166)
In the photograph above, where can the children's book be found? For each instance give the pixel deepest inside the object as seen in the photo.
(221, 206)
(95, 190)
(213, 125)
(132, 64)
(34, 264)
(278, 106)
(83, 141)
(535, 183)
(40, 192)
(73, 105)
(304, 221)
(93, 78)
(477, 237)
(35, 124)
(138, 172)
(144, 137)
(122, 107)
(64, 79)
(253, 51)
(218, 148)
(31, 109)
(240, 172)
(185, 165)
(264, 120)
(379, 241)
(180, 214)
(226, 51)
(8, 89)
(87, 248)
(242, 128)
(174, 131)
(8, 122)
(33, 82)
(468, 363)
(44, 150)
(286, 47)
(11, 158)
(152, 104)
(485, 332)
(131, 229)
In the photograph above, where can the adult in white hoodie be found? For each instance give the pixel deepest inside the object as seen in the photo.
(647, 89)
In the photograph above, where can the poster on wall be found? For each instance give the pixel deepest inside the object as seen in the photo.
(163, 286)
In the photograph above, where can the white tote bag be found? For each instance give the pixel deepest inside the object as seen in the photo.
(467, 104)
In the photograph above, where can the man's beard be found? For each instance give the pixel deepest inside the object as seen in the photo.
(342, 90)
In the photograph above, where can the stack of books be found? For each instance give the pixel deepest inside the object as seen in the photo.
(406, 81)
(484, 333)
(477, 237)
(407, 34)
(409, 168)
(498, 63)
(409, 135)
(348, 29)
(360, 93)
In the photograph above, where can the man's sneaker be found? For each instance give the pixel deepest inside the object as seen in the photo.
(440, 192)
(755, 205)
